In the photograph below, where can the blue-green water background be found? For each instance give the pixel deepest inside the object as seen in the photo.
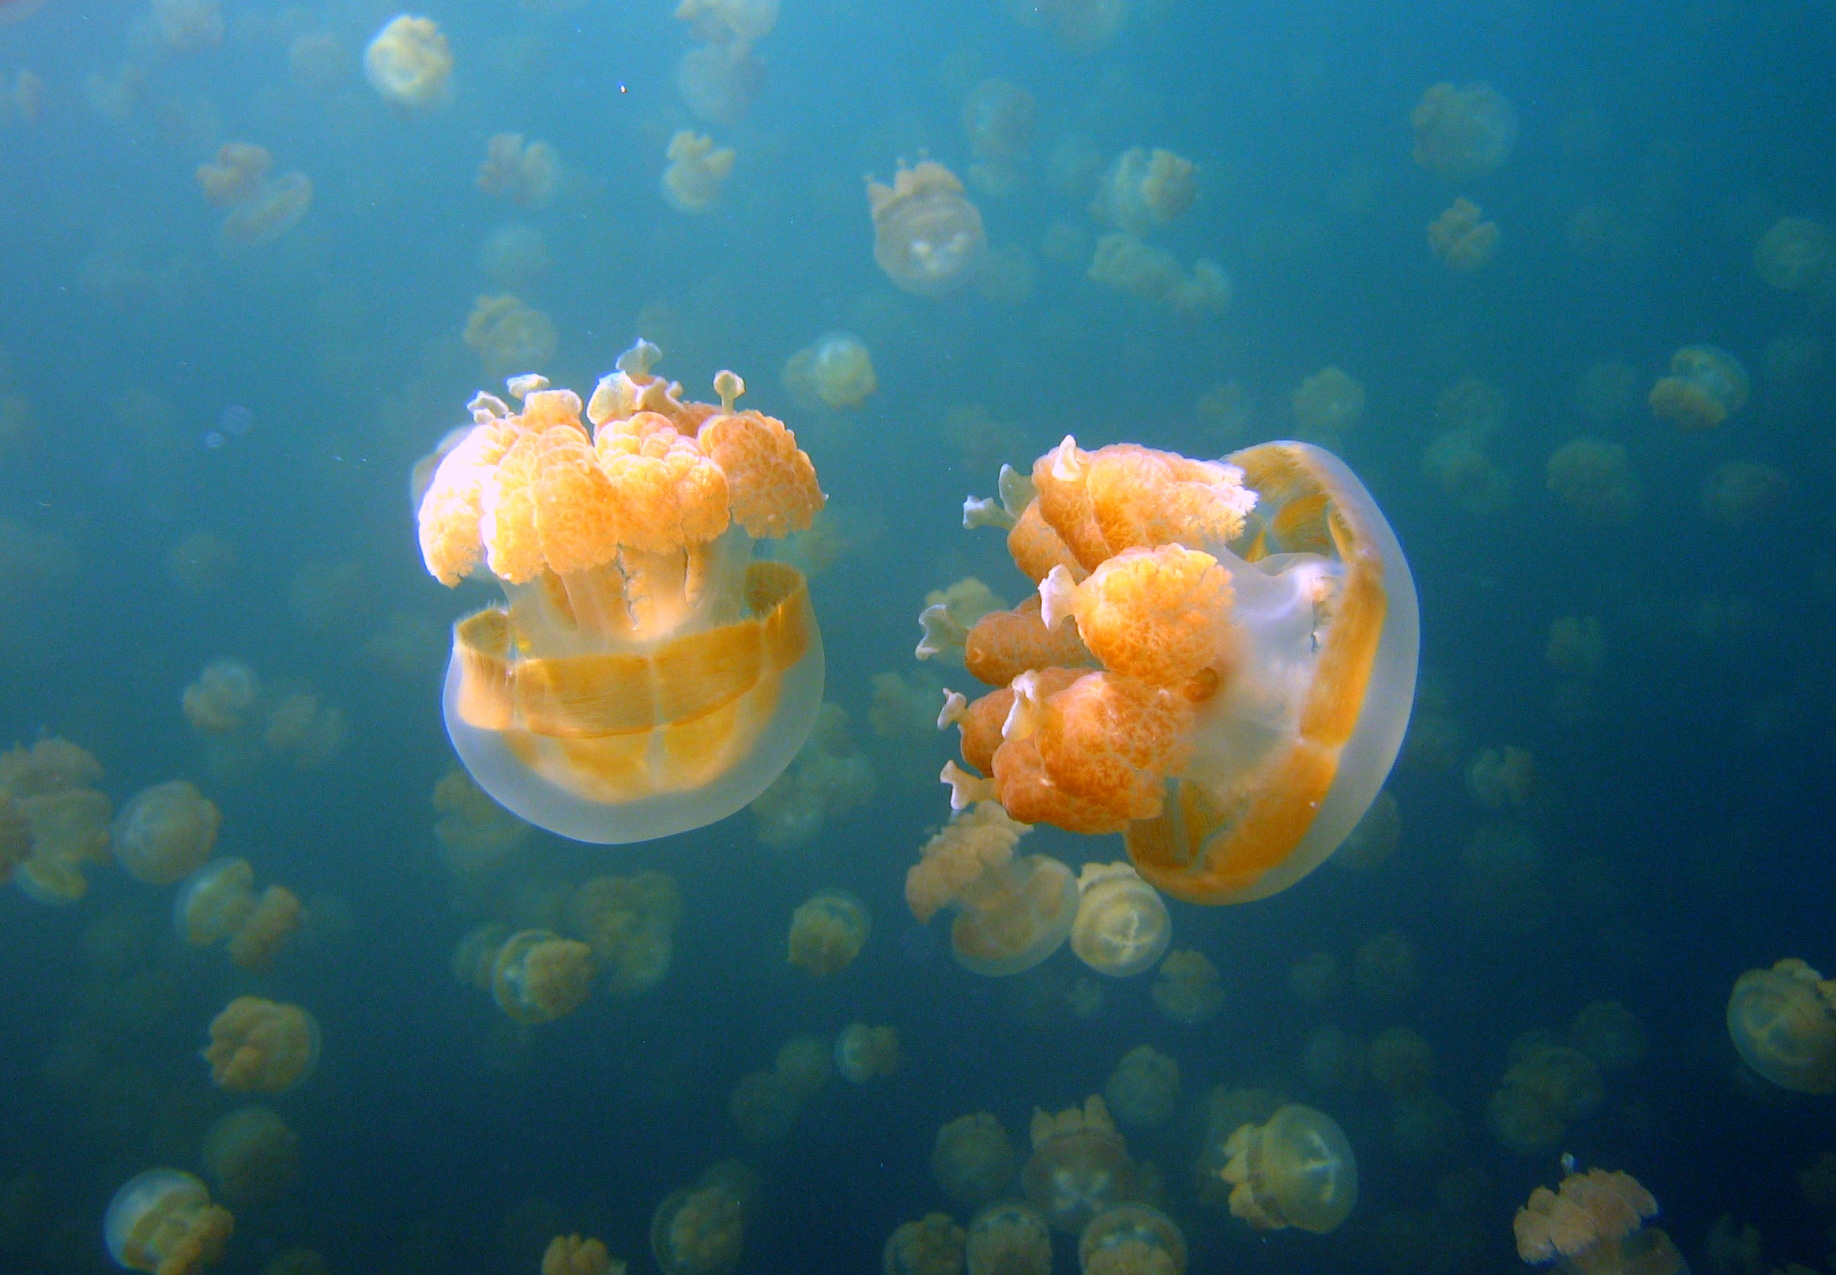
(1697, 786)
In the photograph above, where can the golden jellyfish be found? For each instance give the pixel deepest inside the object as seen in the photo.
(235, 174)
(1462, 132)
(1079, 1166)
(630, 923)
(930, 1246)
(214, 902)
(539, 976)
(275, 207)
(1145, 189)
(1541, 1094)
(223, 697)
(834, 371)
(1595, 480)
(804, 1064)
(1706, 385)
(1797, 254)
(165, 832)
(973, 1160)
(1012, 912)
(1122, 927)
(261, 1046)
(1077, 26)
(1329, 404)
(1008, 1237)
(1783, 1023)
(1143, 1089)
(696, 171)
(162, 1221)
(701, 1230)
(764, 1106)
(1459, 465)
(512, 256)
(1502, 777)
(273, 919)
(718, 81)
(1132, 1239)
(827, 932)
(927, 236)
(525, 173)
(1296, 1169)
(1151, 274)
(510, 337)
(829, 776)
(645, 678)
(306, 732)
(475, 955)
(575, 1255)
(409, 64)
(1187, 989)
(1246, 703)
(1743, 493)
(950, 614)
(251, 1155)
(475, 833)
(1593, 1224)
(52, 825)
(1460, 238)
(863, 1052)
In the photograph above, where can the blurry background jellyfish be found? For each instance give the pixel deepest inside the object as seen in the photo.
(1706, 385)
(1797, 254)
(827, 931)
(1008, 1237)
(834, 371)
(1460, 238)
(701, 1230)
(1011, 912)
(1462, 132)
(1079, 1166)
(1144, 190)
(163, 1221)
(973, 1160)
(510, 337)
(998, 117)
(829, 776)
(1143, 1090)
(927, 236)
(863, 1053)
(1296, 1169)
(1187, 989)
(1327, 406)
(165, 832)
(408, 64)
(933, 1245)
(251, 1155)
(1547, 1088)
(1595, 480)
(260, 1046)
(538, 976)
(1783, 1023)
(696, 171)
(1131, 1238)
(1153, 275)
(52, 824)
(630, 924)
(523, 172)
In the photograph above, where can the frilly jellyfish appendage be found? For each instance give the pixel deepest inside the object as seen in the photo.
(1287, 763)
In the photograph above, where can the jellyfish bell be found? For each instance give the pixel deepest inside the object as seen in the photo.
(1009, 1237)
(165, 832)
(163, 1221)
(1122, 927)
(1131, 1238)
(927, 236)
(646, 677)
(1295, 1170)
(1079, 1166)
(1783, 1023)
(701, 1230)
(1017, 925)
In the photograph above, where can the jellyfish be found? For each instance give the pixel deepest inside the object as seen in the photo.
(1459, 465)
(408, 64)
(305, 731)
(1077, 26)
(1460, 238)
(275, 207)
(863, 1052)
(1797, 254)
(1143, 1089)
(222, 699)
(251, 1155)
(998, 117)
(1314, 625)
(165, 832)
(1593, 478)
(1151, 274)
(834, 371)
(214, 901)
(973, 1160)
(630, 923)
(162, 1221)
(574, 1255)
(261, 1046)
(1463, 132)
(526, 173)
(1296, 1169)
(1706, 385)
(1402, 1063)
(829, 776)
(1540, 1095)
(509, 336)
(950, 614)
(696, 172)
(1328, 405)
(539, 976)
(265, 929)
(475, 833)
(186, 26)
(927, 236)
(235, 175)
(717, 82)
(1131, 1239)
(645, 678)
(1187, 989)
(1008, 1237)
(1079, 1166)
(828, 931)
(1332, 1059)
(1121, 927)
(1593, 1224)
(1743, 493)
(931, 1246)
(475, 955)
(701, 1230)
(1144, 190)
(804, 1063)
(1011, 912)
(51, 824)
(1783, 1023)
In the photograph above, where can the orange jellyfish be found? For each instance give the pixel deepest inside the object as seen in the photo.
(1295, 1170)
(261, 934)
(1122, 926)
(223, 697)
(1329, 404)
(1132, 1239)
(927, 236)
(718, 81)
(973, 1160)
(1079, 1166)
(165, 832)
(1797, 254)
(1011, 912)
(1144, 190)
(1593, 1224)
(526, 173)
(538, 976)
(1462, 132)
(1706, 385)
(1254, 631)
(51, 823)
(1743, 493)
(998, 117)
(863, 1052)
(1008, 1237)
(722, 21)
(827, 932)
(701, 1230)
(696, 171)
(1460, 238)
(574, 1255)
(835, 371)
(931, 1246)
(262, 1046)
(1541, 1094)
(1150, 273)
(1783, 1023)
(162, 1221)
(409, 64)
(645, 677)
(475, 833)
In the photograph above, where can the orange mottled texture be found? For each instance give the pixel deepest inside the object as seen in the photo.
(772, 483)
(1005, 644)
(1159, 615)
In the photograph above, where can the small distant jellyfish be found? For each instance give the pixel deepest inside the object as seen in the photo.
(1187, 989)
(1143, 1089)
(1009, 1237)
(998, 117)
(525, 173)
(1132, 1239)
(1595, 480)
(1540, 1095)
(235, 174)
(1328, 405)
(261, 1046)
(1011, 912)
(1122, 927)
(931, 1246)
(863, 1052)
(973, 1160)
(475, 833)
(1150, 273)
(252, 1156)
(701, 1230)
(510, 337)
(1460, 238)
(1783, 1024)
(222, 699)
(726, 21)
(188, 25)
(1594, 1222)
(1295, 1170)
(409, 64)
(271, 212)
(1463, 132)
(717, 82)
(1706, 385)
(928, 237)
(835, 371)
(696, 171)
(162, 1221)
(539, 976)
(164, 833)
(578, 1255)
(512, 256)
(1797, 254)
(214, 901)
(828, 931)
(1384, 969)
(1144, 190)
(1743, 493)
